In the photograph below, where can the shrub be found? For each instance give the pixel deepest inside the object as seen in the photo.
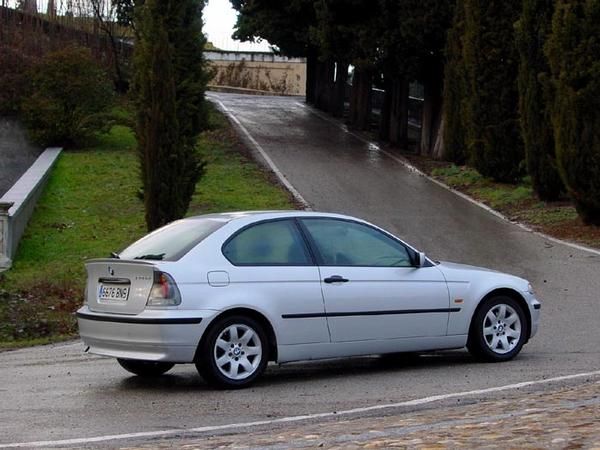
(68, 99)
(13, 79)
(572, 49)
(535, 98)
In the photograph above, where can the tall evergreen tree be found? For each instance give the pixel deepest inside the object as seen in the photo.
(345, 33)
(491, 110)
(455, 90)
(572, 49)
(169, 89)
(535, 98)
(287, 26)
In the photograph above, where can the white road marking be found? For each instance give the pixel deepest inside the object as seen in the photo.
(412, 168)
(293, 419)
(266, 157)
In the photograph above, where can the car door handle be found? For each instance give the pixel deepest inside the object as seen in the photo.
(336, 279)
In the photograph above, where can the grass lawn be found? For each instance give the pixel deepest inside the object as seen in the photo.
(90, 208)
(517, 202)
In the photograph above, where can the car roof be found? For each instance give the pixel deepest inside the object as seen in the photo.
(273, 214)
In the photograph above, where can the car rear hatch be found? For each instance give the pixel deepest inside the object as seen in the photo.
(118, 286)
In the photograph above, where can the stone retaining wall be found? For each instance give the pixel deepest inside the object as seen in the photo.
(260, 72)
(17, 205)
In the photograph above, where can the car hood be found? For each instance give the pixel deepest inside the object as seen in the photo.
(464, 272)
(460, 267)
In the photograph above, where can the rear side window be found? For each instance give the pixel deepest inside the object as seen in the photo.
(172, 241)
(276, 243)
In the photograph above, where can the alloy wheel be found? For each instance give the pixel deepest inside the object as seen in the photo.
(502, 328)
(238, 351)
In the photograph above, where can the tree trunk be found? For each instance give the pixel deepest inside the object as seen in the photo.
(339, 90)
(432, 114)
(439, 146)
(399, 113)
(311, 77)
(360, 100)
(386, 109)
(325, 71)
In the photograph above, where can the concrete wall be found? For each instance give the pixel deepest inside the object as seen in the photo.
(264, 72)
(17, 205)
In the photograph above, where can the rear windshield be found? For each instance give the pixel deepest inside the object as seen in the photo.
(172, 241)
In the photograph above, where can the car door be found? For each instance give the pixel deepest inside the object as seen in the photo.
(274, 270)
(370, 286)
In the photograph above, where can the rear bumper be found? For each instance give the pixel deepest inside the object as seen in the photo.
(153, 335)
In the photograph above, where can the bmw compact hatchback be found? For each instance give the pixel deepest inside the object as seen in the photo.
(230, 292)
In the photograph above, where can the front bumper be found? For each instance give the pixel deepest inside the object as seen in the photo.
(153, 335)
(534, 311)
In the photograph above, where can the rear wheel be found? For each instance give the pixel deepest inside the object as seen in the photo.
(234, 353)
(498, 330)
(145, 368)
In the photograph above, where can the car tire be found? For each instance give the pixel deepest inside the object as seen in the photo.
(145, 368)
(499, 330)
(234, 353)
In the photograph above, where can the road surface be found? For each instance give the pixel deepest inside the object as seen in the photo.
(56, 392)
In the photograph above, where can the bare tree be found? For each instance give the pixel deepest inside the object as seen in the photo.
(105, 13)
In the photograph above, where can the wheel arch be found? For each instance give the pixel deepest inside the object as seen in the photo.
(253, 314)
(511, 293)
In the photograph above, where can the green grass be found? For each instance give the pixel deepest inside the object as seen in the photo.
(232, 181)
(519, 202)
(90, 208)
(497, 195)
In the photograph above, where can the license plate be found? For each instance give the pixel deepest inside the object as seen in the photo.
(113, 292)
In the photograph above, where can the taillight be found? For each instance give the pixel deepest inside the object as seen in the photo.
(164, 291)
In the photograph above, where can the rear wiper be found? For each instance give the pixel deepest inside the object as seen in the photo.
(157, 257)
(115, 255)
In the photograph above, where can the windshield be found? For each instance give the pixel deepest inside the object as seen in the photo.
(172, 241)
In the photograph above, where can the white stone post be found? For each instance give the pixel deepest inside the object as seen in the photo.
(5, 260)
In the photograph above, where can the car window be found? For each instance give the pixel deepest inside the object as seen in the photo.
(172, 241)
(277, 243)
(345, 243)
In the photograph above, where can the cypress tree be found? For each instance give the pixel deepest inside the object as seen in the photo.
(455, 90)
(168, 86)
(535, 98)
(572, 49)
(491, 110)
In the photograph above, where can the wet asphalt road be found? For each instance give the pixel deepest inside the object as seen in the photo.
(56, 392)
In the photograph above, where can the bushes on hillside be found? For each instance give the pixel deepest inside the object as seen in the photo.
(67, 98)
(535, 98)
(572, 51)
(13, 79)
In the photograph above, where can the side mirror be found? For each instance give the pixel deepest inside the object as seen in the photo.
(420, 259)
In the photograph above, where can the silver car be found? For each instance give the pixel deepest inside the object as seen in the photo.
(230, 292)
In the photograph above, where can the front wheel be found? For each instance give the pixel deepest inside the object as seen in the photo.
(234, 353)
(145, 368)
(499, 330)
